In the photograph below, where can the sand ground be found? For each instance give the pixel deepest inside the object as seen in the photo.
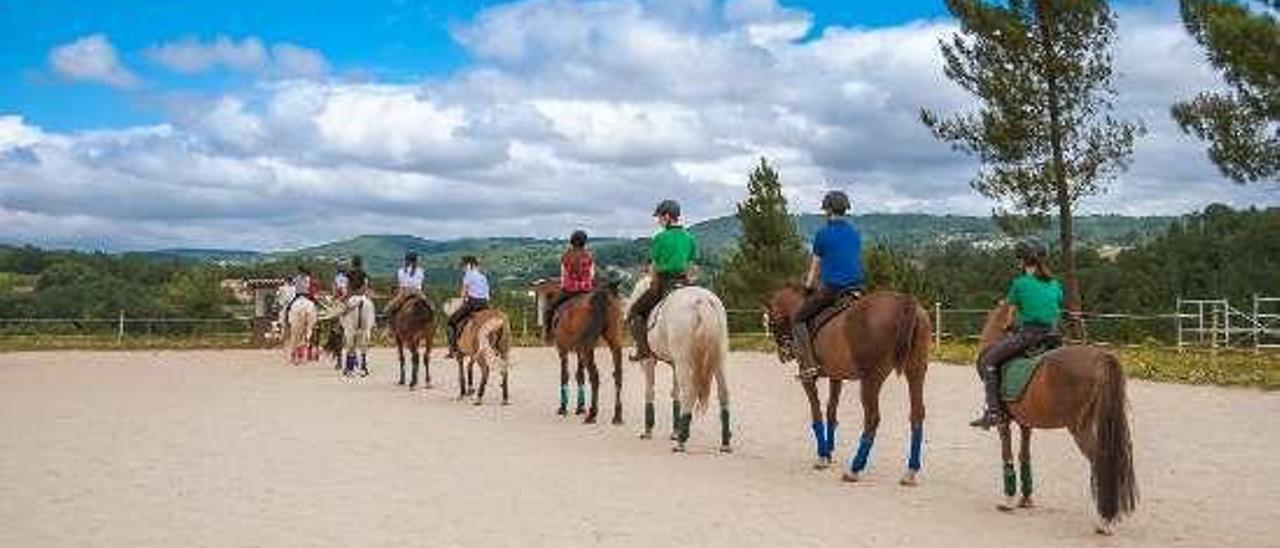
(232, 448)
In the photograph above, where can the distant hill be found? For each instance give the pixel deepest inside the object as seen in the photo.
(516, 258)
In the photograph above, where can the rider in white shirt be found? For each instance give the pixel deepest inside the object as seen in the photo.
(409, 281)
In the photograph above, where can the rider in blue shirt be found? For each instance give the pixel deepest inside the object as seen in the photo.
(834, 270)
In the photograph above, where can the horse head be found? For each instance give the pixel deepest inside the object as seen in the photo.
(998, 321)
(778, 307)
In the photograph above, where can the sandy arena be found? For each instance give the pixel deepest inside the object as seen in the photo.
(233, 448)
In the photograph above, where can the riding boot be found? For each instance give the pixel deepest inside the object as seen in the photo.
(640, 334)
(994, 413)
(803, 342)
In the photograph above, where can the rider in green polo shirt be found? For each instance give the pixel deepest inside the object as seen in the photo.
(672, 253)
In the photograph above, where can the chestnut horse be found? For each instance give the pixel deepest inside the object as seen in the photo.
(414, 325)
(881, 333)
(484, 339)
(580, 325)
(1080, 388)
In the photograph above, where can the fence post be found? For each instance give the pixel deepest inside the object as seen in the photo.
(1177, 321)
(120, 329)
(937, 325)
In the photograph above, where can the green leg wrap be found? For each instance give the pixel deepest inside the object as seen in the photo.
(1010, 480)
(725, 435)
(649, 416)
(685, 421)
(581, 397)
(1026, 478)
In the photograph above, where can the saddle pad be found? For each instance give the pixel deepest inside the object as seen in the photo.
(1016, 375)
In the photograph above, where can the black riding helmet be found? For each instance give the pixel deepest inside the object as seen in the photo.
(411, 257)
(667, 207)
(470, 260)
(835, 203)
(356, 261)
(1030, 249)
(578, 238)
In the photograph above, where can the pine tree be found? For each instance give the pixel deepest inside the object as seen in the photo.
(1242, 125)
(1044, 131)
(769, 250)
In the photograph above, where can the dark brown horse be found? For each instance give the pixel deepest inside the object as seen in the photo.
(414, 326)
(1082, 389)
(881, 333)
(581, 324)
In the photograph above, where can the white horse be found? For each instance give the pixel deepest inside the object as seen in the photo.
(690, 331)
(297, 321)
(357, 317)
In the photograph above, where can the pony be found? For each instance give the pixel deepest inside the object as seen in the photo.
(357, 317)
(689, 331)
(484, 339)
(1080, 388)
(580, 325)
(881, 333)
(414, 325)
(298, 319)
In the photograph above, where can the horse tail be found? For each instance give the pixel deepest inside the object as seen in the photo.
(494, 342)
(1115, 490)
(905, 336)
(708, 350)
(600, 301)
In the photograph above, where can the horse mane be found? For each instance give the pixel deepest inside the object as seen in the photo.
(998, 321)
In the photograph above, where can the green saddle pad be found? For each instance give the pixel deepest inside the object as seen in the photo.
(1017, 374)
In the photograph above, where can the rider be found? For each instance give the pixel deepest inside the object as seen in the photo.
(577, 277)
(340, 282)
(835, 269)
(475, 297)
(302, 288)
(357, 280)
(671, 254)
(409, 280)
(1036, 296)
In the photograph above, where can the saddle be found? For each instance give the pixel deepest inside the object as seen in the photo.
(1017, 373)
(555, 314)
(842, 303)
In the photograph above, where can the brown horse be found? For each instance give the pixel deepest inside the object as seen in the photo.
(582, 323)
(881, 333)
(1082, 389)
(414, 325)
(484, 339)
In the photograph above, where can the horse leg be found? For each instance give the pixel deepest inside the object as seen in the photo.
(819, 429)
(722, 396)
(426, 359)
(564, 382)
(870, 395)
(1024, 468)
(616, 352)
(683, 405)
(400, 354)
(1010, 477)
(834, 388)
(593, 375)
(650, 415)
(462, 380)
(413, 352)
(676, 416)
(505, 399)
(915, 387)
(484, 381)
(579, 377)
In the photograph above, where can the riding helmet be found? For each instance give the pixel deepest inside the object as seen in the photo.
(668, 207)
(470, 260)
(578, 238)
(356, 261)
(1030, 249)
(835, 202)
(411, 257)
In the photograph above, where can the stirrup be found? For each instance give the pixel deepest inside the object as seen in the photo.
(807, 373)
(989, 418)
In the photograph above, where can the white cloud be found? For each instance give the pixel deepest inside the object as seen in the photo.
(575, 114)
(91, 59)
(191, 56)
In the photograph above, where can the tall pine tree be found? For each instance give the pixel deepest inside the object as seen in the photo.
(1242, 125)
(769, 250)
(1044, 130)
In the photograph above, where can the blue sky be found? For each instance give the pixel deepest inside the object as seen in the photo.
(272, 125)
(394, 40)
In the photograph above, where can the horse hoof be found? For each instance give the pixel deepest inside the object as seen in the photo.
(646, 435)
(579, 411)
(849, 477)
(1104, 530)
(616, 421)
(726, 449)
(401, 383)
(822, 463)
(1005, 508)
(562, 412)
(1026, 502)
(589, 420)
(679, 448)
(909, 480)
(505, 403)
(477, 402)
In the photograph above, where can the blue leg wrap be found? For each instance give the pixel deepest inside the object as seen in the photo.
(819, 431)
(859, 462)
(917, 441)
(830, 440)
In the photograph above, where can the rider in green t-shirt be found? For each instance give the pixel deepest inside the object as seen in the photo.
(1037, 297)
(672, 253)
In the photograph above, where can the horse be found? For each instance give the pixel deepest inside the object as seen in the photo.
(881, 333)
(357, 317)
(414, 325)
(485, 338)
(298, 319)
(1080, 388)
(689, 330)
(579, 326)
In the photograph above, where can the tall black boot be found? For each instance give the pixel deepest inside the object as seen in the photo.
(803, 342)
(640, 334)
(994, 414)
